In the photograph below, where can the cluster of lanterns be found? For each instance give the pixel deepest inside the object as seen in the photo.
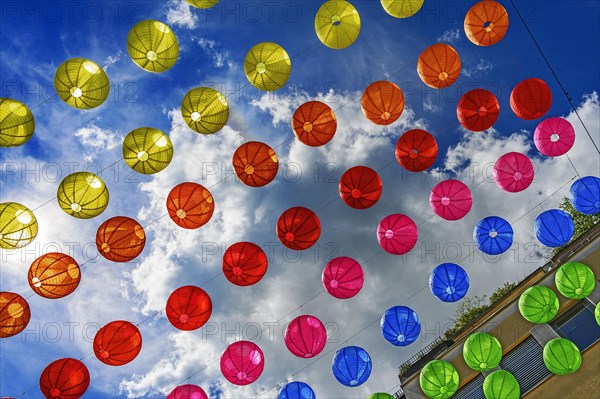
(153, 46)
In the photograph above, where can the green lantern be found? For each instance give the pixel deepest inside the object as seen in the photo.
(482, 352)
(575, 280)
(439, 379)
(539, 304)
(501, 384)
(562, 356)
(381, 395)
(597, 313)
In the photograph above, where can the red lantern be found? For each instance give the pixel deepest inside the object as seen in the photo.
(14, 314)
(190, 205)
(298, 228)
(244, 263)
(382, 102)
(64, 379)
(120, 239)
(360, 187)
(478, 110)
(54, 275)
(255, 164)
(314, 123)
(305, 336)
(531, 99)
(117, 343)
(189, 308)
(242, 363)
(416, 150)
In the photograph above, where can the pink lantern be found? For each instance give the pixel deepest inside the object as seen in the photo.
(305, 336)
(554, 137)
(513, 172)
(397, 234)
(242, 363)
(187, 391)
(343, 277)
(451, 199)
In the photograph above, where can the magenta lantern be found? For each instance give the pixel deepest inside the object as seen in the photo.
(554, 137)
(242, 363)
(343, 277)
(187, 391)
(305, 336)
(513, 172)
(451, 199)
(397, 234)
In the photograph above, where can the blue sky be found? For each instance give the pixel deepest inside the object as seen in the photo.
(37, 36)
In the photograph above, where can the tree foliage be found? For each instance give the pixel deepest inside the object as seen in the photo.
(581, 221)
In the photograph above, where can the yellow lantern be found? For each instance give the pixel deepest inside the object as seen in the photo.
(267, 66)
(205, 110)
(402, 8)
(202, 3)
(147, 150)
(337, 24)
(16, 123)
(82, 195)
(18, 225)
(153, 46)
(81, 83)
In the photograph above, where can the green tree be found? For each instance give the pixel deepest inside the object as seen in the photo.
(581, 221)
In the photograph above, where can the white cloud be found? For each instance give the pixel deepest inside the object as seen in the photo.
(481, 68)
(180, 13)
(219, 57)
(450, 36)
(430, 105)
(96, 140)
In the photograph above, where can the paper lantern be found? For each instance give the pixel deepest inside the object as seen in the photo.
(343, 277)
(147, 150)
(120, 239)
(187, 391)
(202, 4)
(554, 136)
(584, 195)
(314, 123)
(482, 352)
(242, 363)
(337, 24)
(449, 282)
(501, 384)
(360, 187)
(54, 275)
(538, 304)
(190, 205)
(188, 308)
(205, 110)
(267, 66)
(513, 172)
(486, 23)
(244, 263)
(382, 102)
(554, 228)
(416, 150)
(296, 390)
(305, 336)
(381, 395)
(351, 366)
(14, 314)
(397, 234)
(562, 356)
(298, 228)
(439, 66)
(478, 110)
(531, 99)
(493, 235)
(117, 343)
(81, 83)
(64, 379)
(439, 379)
(255, 164)
(451, 199)
(402, 8)
(16, 123)
(153, 46)
(82, 195)
(18, 225)
(400, 326)
(575, 280)
(597, 313)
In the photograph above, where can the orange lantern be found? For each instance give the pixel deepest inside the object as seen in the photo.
(255, 164)
(382, 102)
(531, 99)
(314, 123)
(298, 228)
(486, 23)
(54, 275)
(190, 205)
(478, 110)
(416, 150)
(120, 239)
(439, 66)
(117, 343)
(14, 314)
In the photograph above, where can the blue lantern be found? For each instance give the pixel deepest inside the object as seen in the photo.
(400, 325)
(352, 366)
(449, 282)
(554, 228)
(493, 235)
(296, 390)
(585, 195)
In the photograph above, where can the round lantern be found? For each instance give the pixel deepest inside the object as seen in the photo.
(554, 228)
(531, 99)
(14, 314)
(242, 363)
(117, 343)
(501, 384)
(478, 110)
(18, 226)
(153, 46)
(298, 228)
(554, 136)
(416, 150)
(255, 164)
(343, 277)
(360, 187)
(296, 390)
(562, 356)
(513, 172)
(400, 326)
(381, 395)
(538, 304)
(189, 308)
(597, 313)
(147, 150)
(202, 4)
(351, 366)
(382, 102)
(267, 66)
(305, 336)
(120, 239)
(337, 24)
(81, 83)
(205, 110)
(439, 66)
(451, 199)
(54, 275)
(575, 280)
(402, 9)
(482, 352)
(16, 123)
(397, 234)
(187, 391)
(493, 235)
(449, 282)
(82, 195)
(486, 23)
(190, 205)
(439, 379)
(244, 263)
(584, 195)
(64, 379)
(314, 123)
